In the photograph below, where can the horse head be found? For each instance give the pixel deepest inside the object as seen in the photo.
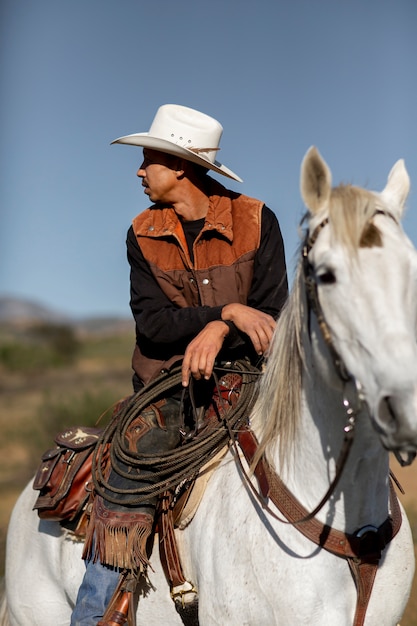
(361, 275)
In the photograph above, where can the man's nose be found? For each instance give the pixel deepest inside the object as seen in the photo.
(141, 172)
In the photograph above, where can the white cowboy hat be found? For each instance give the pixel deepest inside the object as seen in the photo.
(183, 132)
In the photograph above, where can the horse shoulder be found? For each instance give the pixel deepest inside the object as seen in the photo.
(394, 579)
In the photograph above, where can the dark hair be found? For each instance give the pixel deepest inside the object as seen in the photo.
(198, 171)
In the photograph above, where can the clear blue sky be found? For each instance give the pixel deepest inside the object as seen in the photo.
(279, 75)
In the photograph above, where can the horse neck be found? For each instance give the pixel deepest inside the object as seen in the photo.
(361, 496)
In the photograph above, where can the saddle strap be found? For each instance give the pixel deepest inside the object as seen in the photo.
(171, 564)
(168, 548)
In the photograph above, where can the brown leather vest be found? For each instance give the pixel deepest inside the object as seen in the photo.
(224, 253)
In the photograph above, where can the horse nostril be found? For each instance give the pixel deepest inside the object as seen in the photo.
(386, 420)
(387, 400)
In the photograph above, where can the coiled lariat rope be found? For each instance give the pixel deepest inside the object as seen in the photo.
(174, 467)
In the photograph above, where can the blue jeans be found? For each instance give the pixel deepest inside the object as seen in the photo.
(94, 594)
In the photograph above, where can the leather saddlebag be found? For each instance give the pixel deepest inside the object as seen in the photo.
(64, 475)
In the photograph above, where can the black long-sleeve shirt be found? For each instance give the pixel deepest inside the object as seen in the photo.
(163, 329)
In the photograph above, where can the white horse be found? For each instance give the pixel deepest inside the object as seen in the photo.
(353, 375)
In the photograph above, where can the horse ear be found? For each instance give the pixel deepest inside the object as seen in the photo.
(315, 180)
(397, 188)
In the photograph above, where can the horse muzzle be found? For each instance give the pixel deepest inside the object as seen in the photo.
(396, 423)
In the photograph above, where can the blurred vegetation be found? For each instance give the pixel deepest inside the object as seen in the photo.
(39, 347)
(89, 408)
(53, 377)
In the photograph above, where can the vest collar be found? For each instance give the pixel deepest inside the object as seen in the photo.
(163, 222)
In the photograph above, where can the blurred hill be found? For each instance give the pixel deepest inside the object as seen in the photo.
(17, 310)
(19, 313)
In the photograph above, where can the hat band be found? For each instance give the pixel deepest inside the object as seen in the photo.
(198, 150)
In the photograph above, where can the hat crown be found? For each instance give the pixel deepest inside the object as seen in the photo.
(187, 128)
(186, 133)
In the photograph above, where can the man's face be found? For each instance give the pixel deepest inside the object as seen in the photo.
(159, 176)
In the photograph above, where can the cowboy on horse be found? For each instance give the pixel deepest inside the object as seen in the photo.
(208, 282)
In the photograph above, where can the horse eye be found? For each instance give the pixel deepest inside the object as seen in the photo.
(326, 278)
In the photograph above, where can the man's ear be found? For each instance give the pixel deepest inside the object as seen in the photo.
(181, 168)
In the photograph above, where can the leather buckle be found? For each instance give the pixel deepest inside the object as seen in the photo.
(369, 540)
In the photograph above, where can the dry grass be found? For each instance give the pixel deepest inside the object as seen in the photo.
(35, 405)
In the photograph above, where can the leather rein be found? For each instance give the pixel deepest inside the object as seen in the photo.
(362, 549)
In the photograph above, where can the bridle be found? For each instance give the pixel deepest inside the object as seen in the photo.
(313, 304)
(352, 395)
(352, 389)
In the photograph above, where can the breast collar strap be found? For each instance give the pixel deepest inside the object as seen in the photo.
(362, 549)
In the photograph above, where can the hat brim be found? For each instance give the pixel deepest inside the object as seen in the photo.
(155, 143)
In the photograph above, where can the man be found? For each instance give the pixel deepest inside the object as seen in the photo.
(208, 281)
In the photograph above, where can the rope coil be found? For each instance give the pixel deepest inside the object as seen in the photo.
(172, 467)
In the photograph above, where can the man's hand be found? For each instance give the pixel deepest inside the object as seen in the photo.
(257, 325)
(203, 349)
(201, 352)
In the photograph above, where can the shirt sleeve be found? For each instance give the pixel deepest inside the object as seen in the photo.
(269, 288)
(158, 320)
